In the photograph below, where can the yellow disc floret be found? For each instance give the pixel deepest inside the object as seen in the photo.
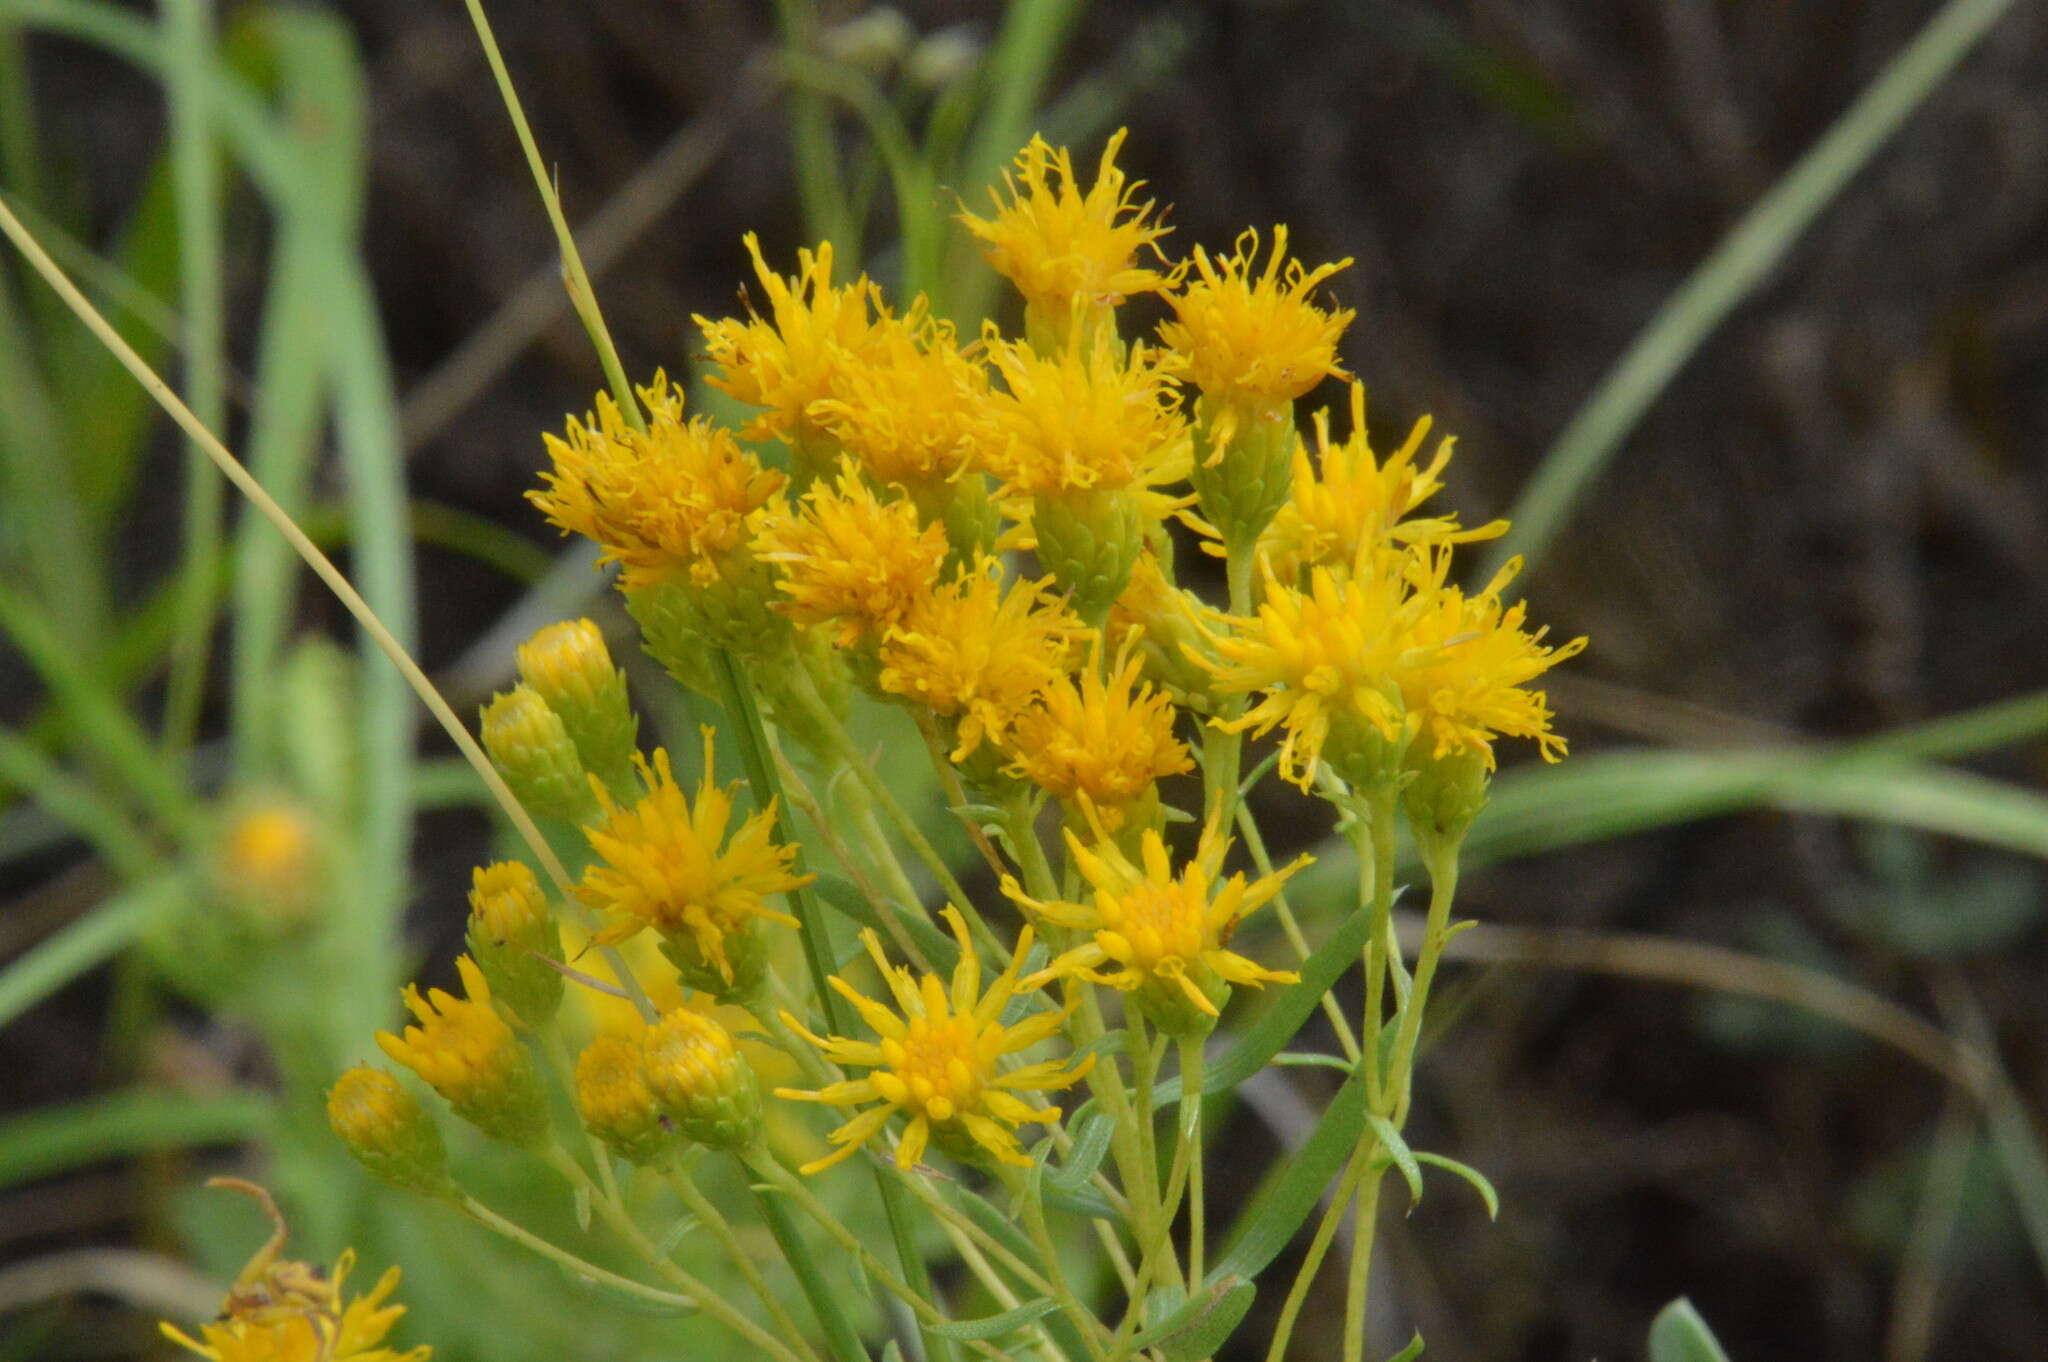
(1100, 743)
(978, 654)
(1255, 335)
(938, 1060)
(815, 333)
(1068, 252)
(676, 498)
(665, 863)
(852, 560)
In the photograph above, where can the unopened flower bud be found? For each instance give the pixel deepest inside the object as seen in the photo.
(513, 936)
(464, 1050)
(1244, 465)
(568, 665)
(1444, 795)
(388, 1132)
(701, 1081)
(533, 751)
(1089, 540)
(268, 863)
(615, 1102)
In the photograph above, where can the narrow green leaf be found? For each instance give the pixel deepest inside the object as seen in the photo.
(1266, 1226)
(843, 894)
(1397, 1150)
(1200, 1326)
(1411, 1352)
(995, 1326)
(1678, 1334)
(101, 932)
(1091, 1142)
(60, 1138)
(1470, 1174)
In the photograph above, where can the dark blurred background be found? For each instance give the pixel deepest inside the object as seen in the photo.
(1830, 526)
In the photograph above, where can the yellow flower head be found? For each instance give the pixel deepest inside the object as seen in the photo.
(1100, 743)
(387, 1130)
(284, 1311)
(851, 559)
(1346, 497)
(665, 863)
(1255, 338)
(1164, 935)
(1465, 666)
(1066, 250)
(465, 1051)
(905, 414)
(1084, 419)
(677, 498)
(614, 1100)
(1324, 662)
(269, 860)
(815, 333)
(939, 1060)
(977, 653)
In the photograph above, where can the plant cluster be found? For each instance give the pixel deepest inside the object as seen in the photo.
(988, 537)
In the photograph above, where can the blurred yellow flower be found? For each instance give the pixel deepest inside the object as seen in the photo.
(939, 1060)
(279, 1310)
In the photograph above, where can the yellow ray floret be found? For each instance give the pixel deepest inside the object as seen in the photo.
(665, 863)
(938, 1059)
(1064, 248)
(1151, 928)
(1099, 741)
(851, 559)
(1321, 660)
(466, 1052)
(815, 333)
(1466, 665)
(1254, 335)
(978, 653)
(675, 498)
(284, 1311)
(1087, 419)
(1345, 496)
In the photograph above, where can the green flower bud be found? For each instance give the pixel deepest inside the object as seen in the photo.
(388, 1131)
(568, 665)
(704, 1086)
(512, 935)
(535, 754)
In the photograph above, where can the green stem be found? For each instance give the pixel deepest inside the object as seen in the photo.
(525, 1238)
(1365, 1214)
(1442, 863)
(1192, 1056)
(1027, 1191)
(845, 1343)
(628, 1229)
(1262, 861)
(1318, 1248)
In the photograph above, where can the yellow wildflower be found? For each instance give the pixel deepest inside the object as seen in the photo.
(1346, 497)
(939, 1060)
(815, 334)
(1100, 743)
(1068, 252)
(905, 415)
(665, 863)
(703, 1083)
(269, 861)
(1324, 663)
(1255, 339)
(1084, 419)
(614, 1100)
(464, 1050)
(1162, 936)
(851, 559)
(678, 498)
(1465, 663)
(284, 1311)
(978, 654)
